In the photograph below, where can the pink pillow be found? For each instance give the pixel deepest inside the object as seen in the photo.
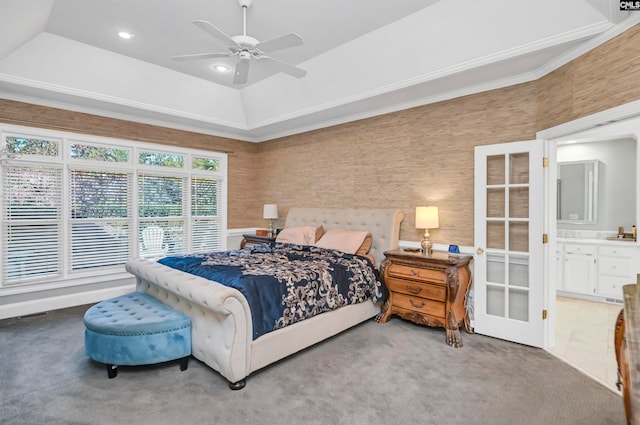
(342, 240)
(303, 235)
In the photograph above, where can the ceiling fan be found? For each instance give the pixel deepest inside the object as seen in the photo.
(247, 48)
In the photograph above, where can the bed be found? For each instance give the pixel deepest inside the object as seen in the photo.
(221, 321)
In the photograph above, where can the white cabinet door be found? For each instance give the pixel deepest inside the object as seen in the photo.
(579, 273)
(616, 267)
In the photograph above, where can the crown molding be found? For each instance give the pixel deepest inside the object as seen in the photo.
(589, 45)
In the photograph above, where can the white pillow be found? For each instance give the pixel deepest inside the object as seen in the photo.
(303, 235)
(343, 240)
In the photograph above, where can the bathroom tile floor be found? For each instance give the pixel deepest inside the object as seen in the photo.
(584, 337)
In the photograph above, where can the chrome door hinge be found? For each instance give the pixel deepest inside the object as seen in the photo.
(545, 162)
(545, 238)
(544, 314)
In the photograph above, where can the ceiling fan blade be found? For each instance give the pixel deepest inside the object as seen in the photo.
(214, 31)
(200, 56)
(242, 72)
(279, 43)
(283, 67)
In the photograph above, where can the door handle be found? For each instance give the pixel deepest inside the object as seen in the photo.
(479, 251)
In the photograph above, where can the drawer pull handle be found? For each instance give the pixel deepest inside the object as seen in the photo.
(416, 305)
(413, 272)
(413, 291)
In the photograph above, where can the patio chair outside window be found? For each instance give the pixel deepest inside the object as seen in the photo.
(152, 245)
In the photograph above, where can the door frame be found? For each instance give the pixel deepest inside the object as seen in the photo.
(588, 126)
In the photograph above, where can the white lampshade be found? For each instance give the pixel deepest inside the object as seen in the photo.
(427, 218)
(270, 211)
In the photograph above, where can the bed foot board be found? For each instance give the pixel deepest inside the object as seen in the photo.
(237, 385)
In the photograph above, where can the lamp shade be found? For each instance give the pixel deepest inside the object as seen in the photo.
(270, 211)
(427, 218)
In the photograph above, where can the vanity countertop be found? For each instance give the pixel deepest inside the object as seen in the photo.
(593, 241)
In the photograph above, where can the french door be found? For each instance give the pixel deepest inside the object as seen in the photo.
(509, 223)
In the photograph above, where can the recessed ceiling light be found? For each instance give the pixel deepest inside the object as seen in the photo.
(220, 67)
(125, 35)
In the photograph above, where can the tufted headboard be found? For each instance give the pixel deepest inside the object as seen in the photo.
(384, 224)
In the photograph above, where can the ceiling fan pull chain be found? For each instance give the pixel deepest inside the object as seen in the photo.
(244, 19)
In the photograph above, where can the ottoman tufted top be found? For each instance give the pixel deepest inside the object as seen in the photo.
(134, 314)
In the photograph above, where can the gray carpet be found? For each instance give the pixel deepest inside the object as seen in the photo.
(397, 373)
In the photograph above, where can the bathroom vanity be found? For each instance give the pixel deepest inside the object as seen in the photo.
(595, 268)
(597, 199)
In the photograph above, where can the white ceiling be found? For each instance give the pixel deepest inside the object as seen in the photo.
(362, 57)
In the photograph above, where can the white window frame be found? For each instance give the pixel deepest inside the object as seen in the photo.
(65, 139)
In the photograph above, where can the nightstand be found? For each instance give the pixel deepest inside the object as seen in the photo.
(249, 240)
(428, 290)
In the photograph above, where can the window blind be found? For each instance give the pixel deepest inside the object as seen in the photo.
(161, 211)
(206, 222)
(31, 222)
(99, 218)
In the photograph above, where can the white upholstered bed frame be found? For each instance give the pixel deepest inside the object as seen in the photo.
(221, 324)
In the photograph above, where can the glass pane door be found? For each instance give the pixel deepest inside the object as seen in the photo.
(508, 233)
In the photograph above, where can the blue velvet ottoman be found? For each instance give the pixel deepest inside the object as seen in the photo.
(136, 329)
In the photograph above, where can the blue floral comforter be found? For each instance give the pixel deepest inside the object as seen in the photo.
(285, 283)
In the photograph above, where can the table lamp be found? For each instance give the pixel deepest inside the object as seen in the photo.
(427, 218)
(270, 212)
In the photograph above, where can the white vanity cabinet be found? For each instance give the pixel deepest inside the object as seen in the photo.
(579, 271)
(596, 269)
(616, 267)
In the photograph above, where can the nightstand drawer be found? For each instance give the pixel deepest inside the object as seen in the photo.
(417, 273)
(420, 305)
(434, 292)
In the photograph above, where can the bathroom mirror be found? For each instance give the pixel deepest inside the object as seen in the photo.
(578, 192)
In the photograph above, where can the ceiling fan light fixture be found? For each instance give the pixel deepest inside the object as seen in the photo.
(220, 67)
(126, 35)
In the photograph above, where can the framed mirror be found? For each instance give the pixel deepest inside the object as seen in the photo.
(578, 192)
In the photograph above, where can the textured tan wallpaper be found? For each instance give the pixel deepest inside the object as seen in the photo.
(421, 156)
(605, 77)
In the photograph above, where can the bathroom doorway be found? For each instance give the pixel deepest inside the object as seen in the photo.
(583, 324)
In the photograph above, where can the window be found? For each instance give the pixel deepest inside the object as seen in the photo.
(99, 153)
(31, 222)
(161, 207)
(99, 218)
(81, 207)
(205, 217)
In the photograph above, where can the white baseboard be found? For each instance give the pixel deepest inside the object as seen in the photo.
(62, 301)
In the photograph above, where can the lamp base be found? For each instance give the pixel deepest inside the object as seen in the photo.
(270, 231)
(425, 244)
